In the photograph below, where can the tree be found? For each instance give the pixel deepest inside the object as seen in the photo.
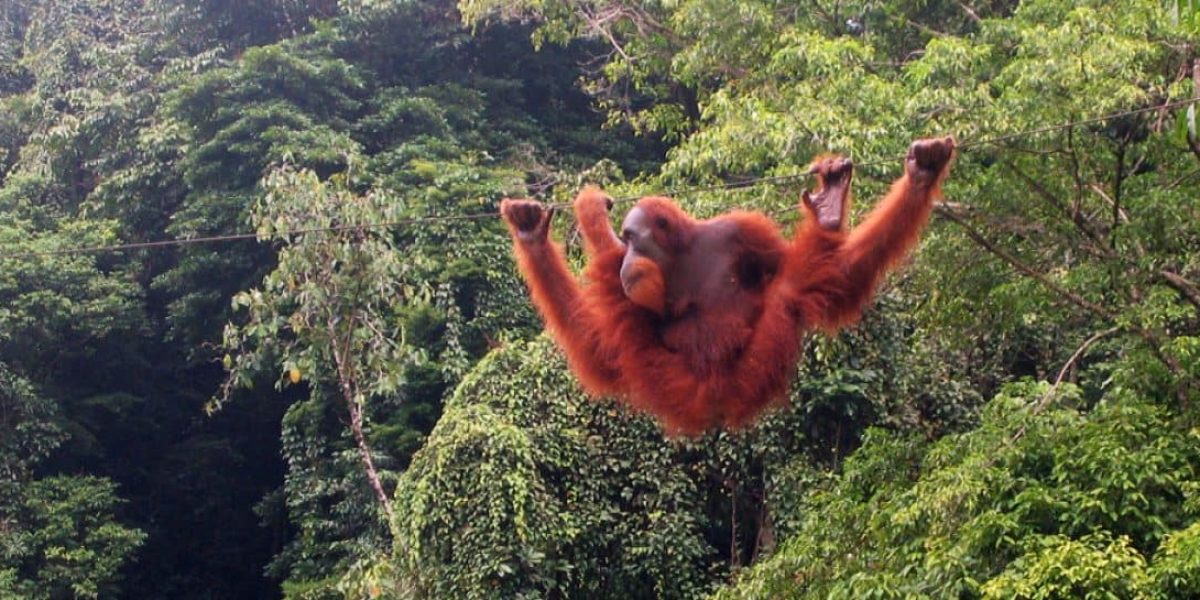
(576, 497)
(1042, 500)
(59, 535)
(135, 121)
(326, 310)
(528, 489)
(61, 539)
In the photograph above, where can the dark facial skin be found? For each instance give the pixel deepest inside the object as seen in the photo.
(643, 239)
(702, 266)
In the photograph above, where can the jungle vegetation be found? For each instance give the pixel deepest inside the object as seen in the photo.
(348, 394)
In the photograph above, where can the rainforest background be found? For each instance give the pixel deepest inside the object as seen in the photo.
(1016, 417)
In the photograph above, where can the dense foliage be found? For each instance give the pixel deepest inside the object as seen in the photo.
(349, 397)
(1041, 500)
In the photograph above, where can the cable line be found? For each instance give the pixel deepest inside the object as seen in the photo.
(215, 239)
(232, 237)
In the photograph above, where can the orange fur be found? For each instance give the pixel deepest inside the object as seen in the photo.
(650, 291)
(726, 359)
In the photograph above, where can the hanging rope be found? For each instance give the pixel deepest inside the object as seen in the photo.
(753, 182)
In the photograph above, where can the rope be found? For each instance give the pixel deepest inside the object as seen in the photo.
(995, 141)
(753, 182)
(213, 239)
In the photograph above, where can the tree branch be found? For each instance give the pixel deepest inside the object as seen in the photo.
(971, 14)
(349, 395)
(1153, 339)
(1066, 294)
(925, 29)
(1184, 286)
(1118, 186)
(1075, 215)
(1062, 373)
(1192, 144)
